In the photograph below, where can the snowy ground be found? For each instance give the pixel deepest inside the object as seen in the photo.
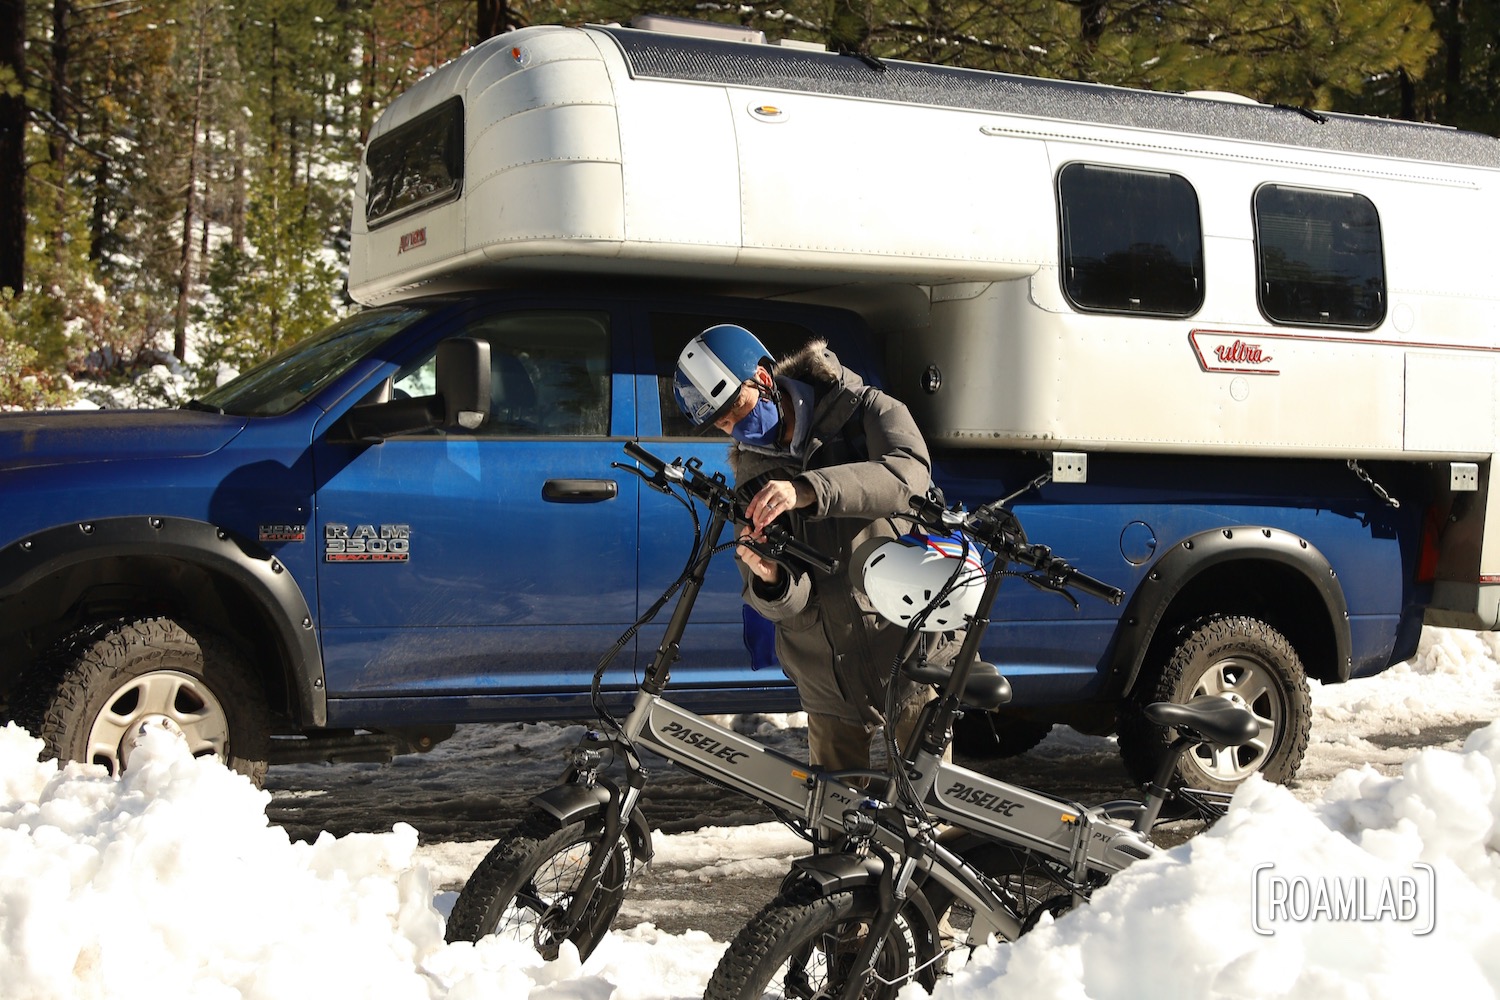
(1376, 875)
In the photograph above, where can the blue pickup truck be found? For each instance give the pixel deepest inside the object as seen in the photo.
(324, 559)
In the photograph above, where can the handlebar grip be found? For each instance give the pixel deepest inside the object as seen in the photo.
(643, 456)
(782, 541)
(1095, 588)
(1061, 573)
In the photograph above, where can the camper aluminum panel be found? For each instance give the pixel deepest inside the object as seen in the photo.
(902, 192)
(681, 173)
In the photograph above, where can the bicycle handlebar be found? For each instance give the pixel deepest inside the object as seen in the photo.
(994, 527)
(779, 545)
(635, 451)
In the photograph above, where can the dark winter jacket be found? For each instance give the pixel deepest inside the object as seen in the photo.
(864, 459)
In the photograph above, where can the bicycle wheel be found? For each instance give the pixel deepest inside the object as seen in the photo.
(525, 884)
(803, 946)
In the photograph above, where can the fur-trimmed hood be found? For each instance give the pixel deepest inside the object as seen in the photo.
(815, 364)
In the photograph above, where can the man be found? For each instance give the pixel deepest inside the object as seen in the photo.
(833, 459)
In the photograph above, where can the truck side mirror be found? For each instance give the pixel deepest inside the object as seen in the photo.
(463, 382)
(462, 400)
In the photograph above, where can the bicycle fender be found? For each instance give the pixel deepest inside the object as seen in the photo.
(571, 803)
(832, 873)
(577, 803)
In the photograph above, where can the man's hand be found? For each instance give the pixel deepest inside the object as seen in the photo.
(776, 498)
(768, 571)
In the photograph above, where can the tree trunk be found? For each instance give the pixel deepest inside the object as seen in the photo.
(12, 148)
(57, 146)
(492, 17)
(1453, 68)
(1091, 19)
(185, 252)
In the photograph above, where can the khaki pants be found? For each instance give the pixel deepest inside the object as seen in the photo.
(837, 745)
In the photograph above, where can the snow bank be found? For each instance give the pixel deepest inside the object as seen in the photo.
(171, 882)
(1203, 920)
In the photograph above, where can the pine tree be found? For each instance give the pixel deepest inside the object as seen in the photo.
(281, 288)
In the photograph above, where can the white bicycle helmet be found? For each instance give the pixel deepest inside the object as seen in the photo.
(903, 575)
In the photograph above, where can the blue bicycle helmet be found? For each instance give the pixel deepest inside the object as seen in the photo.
(711, 369)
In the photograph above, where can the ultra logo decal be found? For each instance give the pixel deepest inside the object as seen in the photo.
(1223, 351)
(366, 543)
(412, 240)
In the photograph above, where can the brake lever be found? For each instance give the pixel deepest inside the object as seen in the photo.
(657, 481)
(1051, 586)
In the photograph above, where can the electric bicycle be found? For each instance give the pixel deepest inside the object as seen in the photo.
(940, 858)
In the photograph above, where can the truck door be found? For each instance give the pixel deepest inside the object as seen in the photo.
(461, 569)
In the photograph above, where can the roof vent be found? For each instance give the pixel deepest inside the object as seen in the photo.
(1221, 95)
(697, 29)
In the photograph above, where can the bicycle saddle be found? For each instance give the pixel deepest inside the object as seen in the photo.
(985, 688)
(1216, 719)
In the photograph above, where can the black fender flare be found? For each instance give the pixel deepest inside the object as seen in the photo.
(572, 803)
(249, 565)
(1205, 550)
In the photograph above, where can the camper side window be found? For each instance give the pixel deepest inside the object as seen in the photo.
(1319, 257)
(416, 165)
(1132, 241)
(549, 373)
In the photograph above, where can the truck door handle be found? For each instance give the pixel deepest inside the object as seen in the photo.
(579, 490)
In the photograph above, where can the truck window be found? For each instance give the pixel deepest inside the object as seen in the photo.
(670, 333)
(549, 373)
(276, 386)
(1319, 257)
(1131, 241)
(416, 165)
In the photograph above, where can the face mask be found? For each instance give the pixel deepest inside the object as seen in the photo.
(758, 427)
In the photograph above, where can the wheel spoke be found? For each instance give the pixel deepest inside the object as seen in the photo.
(1214, 681)
(1252, 686)
(157, 695)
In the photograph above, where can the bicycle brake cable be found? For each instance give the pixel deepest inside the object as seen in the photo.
(595, 697)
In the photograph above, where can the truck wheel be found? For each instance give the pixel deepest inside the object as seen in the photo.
(1248, 662)
(89, 697)
(988, 736)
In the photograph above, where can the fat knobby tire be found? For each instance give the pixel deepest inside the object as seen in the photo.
(1203, 644)
(511, 866)
(800, 915)
(65, 692)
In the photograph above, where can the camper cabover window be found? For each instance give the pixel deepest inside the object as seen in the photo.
(417, 164)
(1319, 257)
(1131, 240)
